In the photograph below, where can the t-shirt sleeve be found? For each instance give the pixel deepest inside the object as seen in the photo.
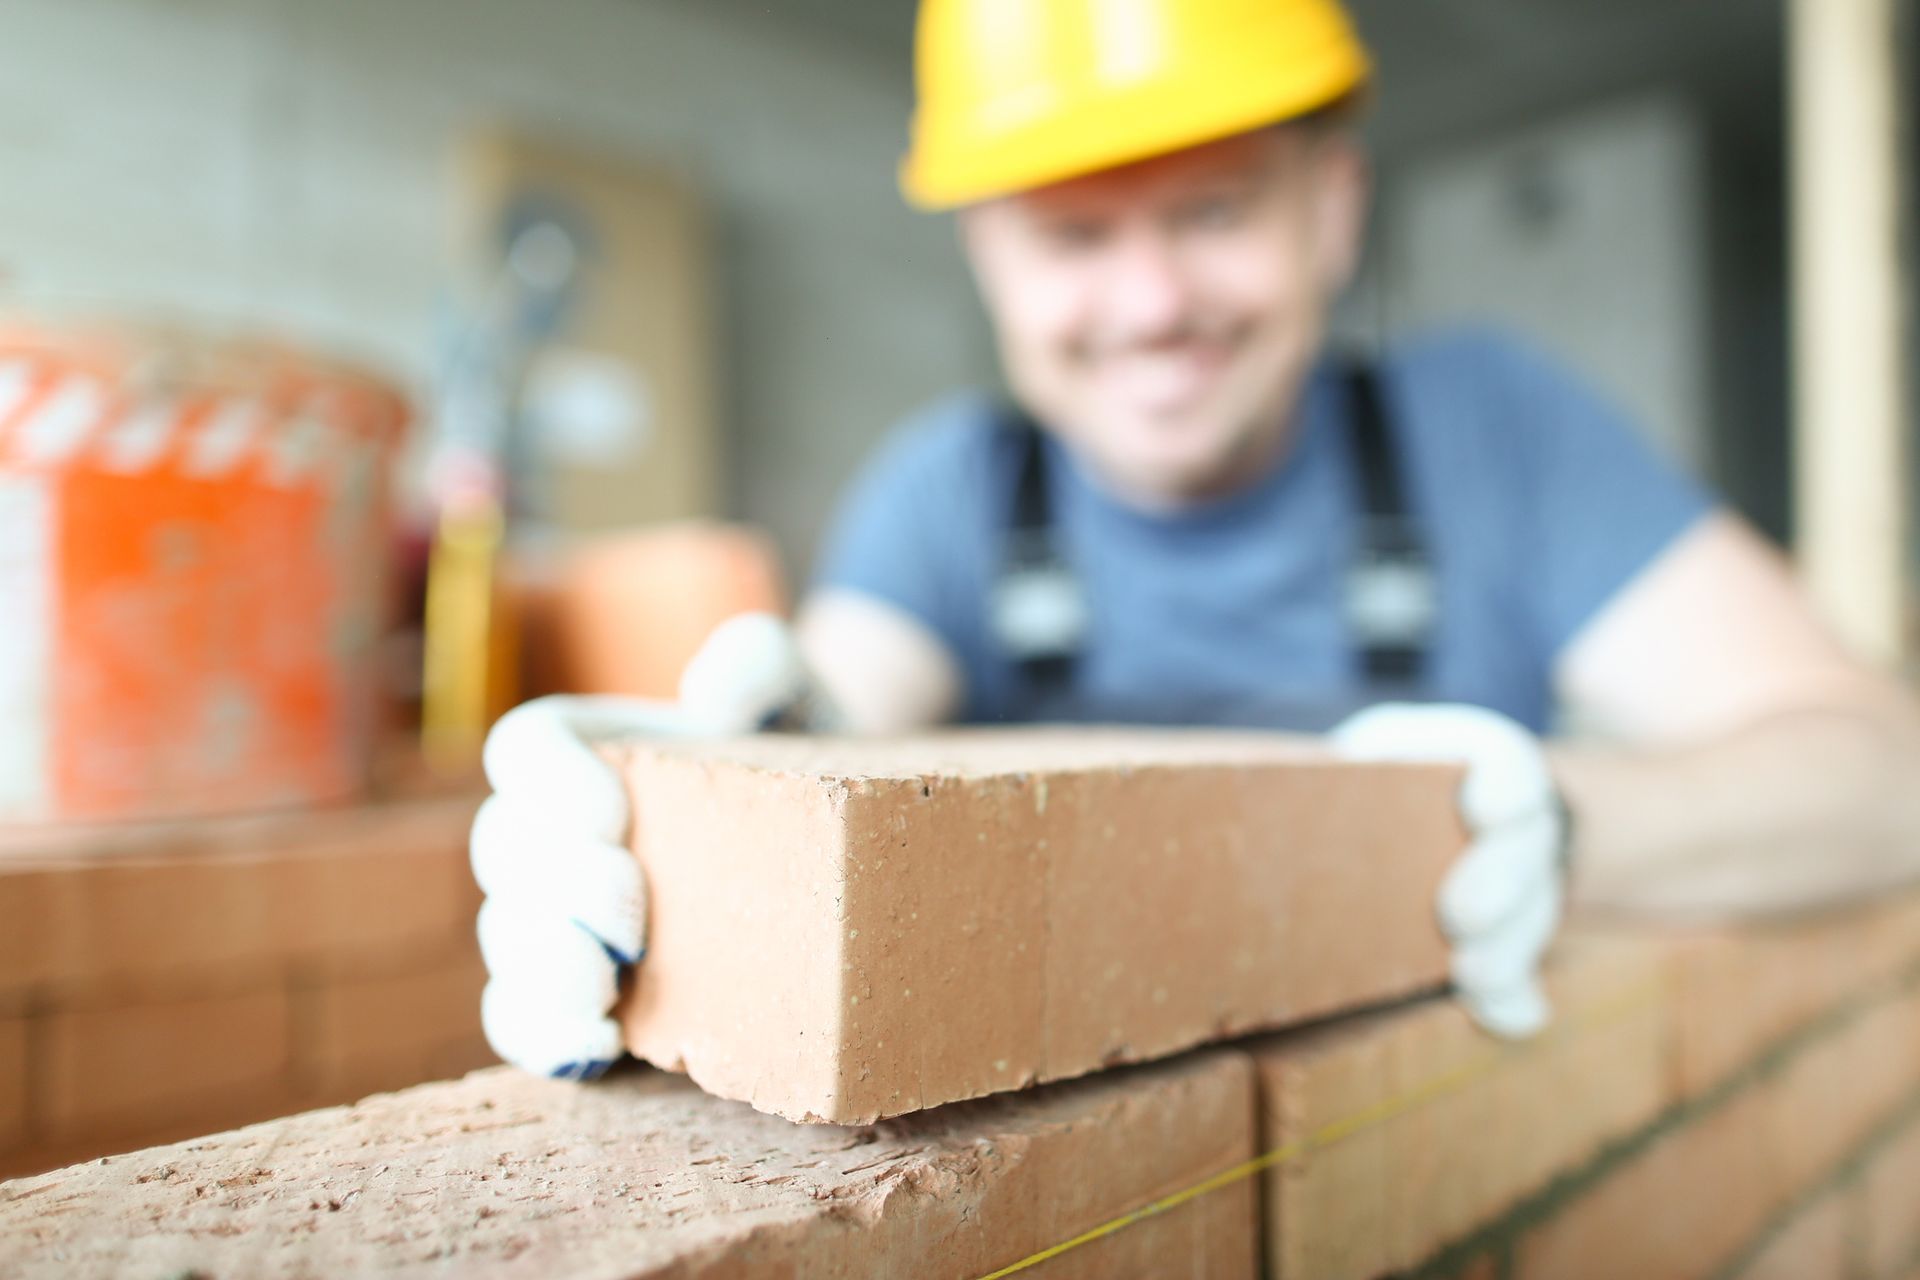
(903, 529)
(1602, 503)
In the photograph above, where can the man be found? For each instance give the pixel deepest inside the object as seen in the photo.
(1196, 513)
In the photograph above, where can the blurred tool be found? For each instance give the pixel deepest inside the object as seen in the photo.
(469, 654)
(619, 403)
(577, 401)
(193, 559)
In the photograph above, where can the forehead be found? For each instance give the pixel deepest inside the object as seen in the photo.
(1243, 158)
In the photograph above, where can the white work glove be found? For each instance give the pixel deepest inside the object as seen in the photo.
(1500, 903)
(566, 904)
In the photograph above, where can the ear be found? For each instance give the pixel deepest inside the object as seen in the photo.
(1341, 199)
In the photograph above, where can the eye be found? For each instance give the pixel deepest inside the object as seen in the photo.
(1072, 235)
(1219, 211)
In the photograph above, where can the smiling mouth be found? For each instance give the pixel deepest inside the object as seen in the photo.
(1169, 379)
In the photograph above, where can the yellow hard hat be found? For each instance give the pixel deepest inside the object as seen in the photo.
(1019, 93)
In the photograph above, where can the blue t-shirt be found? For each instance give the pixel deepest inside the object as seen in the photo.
(1538, 502)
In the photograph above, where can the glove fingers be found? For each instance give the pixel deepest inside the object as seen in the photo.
(517, 859)
(1507, 774)
(533, 950)
(1515, 1013)
(1501, 873)
(748, 672)
(1416, 731)
(1507, 959)
(524, 1030)
(534, 752)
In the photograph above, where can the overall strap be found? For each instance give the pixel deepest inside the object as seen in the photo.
(1038, 610)
(1392, 595)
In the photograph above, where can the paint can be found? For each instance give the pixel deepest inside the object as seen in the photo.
(195, 543)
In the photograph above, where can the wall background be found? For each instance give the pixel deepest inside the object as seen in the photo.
(271, 160)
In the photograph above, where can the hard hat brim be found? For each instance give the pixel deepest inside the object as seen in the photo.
(1113, 130)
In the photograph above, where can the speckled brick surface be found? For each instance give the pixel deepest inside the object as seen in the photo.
(843, 930)
(642, 1175)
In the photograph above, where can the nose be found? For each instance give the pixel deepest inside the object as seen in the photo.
(1148, 294)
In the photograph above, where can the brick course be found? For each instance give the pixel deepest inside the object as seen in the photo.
(1726, 1105)
(13, 1082)
(644, 1176)
(168, 979)
(1431, 1128)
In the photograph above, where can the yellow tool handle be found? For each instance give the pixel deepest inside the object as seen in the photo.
(465, 644)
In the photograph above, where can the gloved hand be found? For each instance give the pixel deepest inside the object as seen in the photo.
(1500, 903)
(565, 901)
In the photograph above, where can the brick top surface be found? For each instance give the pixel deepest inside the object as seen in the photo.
(502, 1174)
(987, 753)
(411, 822)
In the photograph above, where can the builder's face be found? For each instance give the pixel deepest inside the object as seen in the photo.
(1161, 317)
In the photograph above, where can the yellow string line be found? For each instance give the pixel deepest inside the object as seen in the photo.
(1446, 1082)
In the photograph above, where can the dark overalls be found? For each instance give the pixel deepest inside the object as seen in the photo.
(1038, 614)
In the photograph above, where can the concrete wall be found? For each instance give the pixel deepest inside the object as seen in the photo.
(265, 158)
(1455, 74)
(1586, 234)
(285, 162)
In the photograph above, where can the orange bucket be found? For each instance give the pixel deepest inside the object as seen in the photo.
(194, 548)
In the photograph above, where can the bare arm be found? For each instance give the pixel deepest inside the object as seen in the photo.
(1759, 768)
(884, 669)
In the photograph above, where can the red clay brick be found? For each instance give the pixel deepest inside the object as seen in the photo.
(1837, 1093)
(1744, 989)
(457, 1057)
(57, 1153)
(1817, 1245)
(119, 1070)
(1685, 1207)
(389, 1032)
(1890, 1203)
(13, 1082)
(843, 930)
(1702, 1192)
(232, 892)
(1483, 1123)
(643, 1176)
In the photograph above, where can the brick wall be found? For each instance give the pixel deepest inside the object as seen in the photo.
(1729, 1105)
(158, 982)
(1708, 1105)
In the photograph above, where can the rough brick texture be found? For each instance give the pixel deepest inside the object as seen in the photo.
(370, 1034)
(1406, 1129)
(1681, 1210)
(1691, 1201)
(13, 1082)
(1743, 988)
(847, 930)
(135, 905)
(1890, 1207)
(643, 1176)
(1817, 1245)
(1401, 1139)
(1696, 1090)
(163, 980)
(113, 1067)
